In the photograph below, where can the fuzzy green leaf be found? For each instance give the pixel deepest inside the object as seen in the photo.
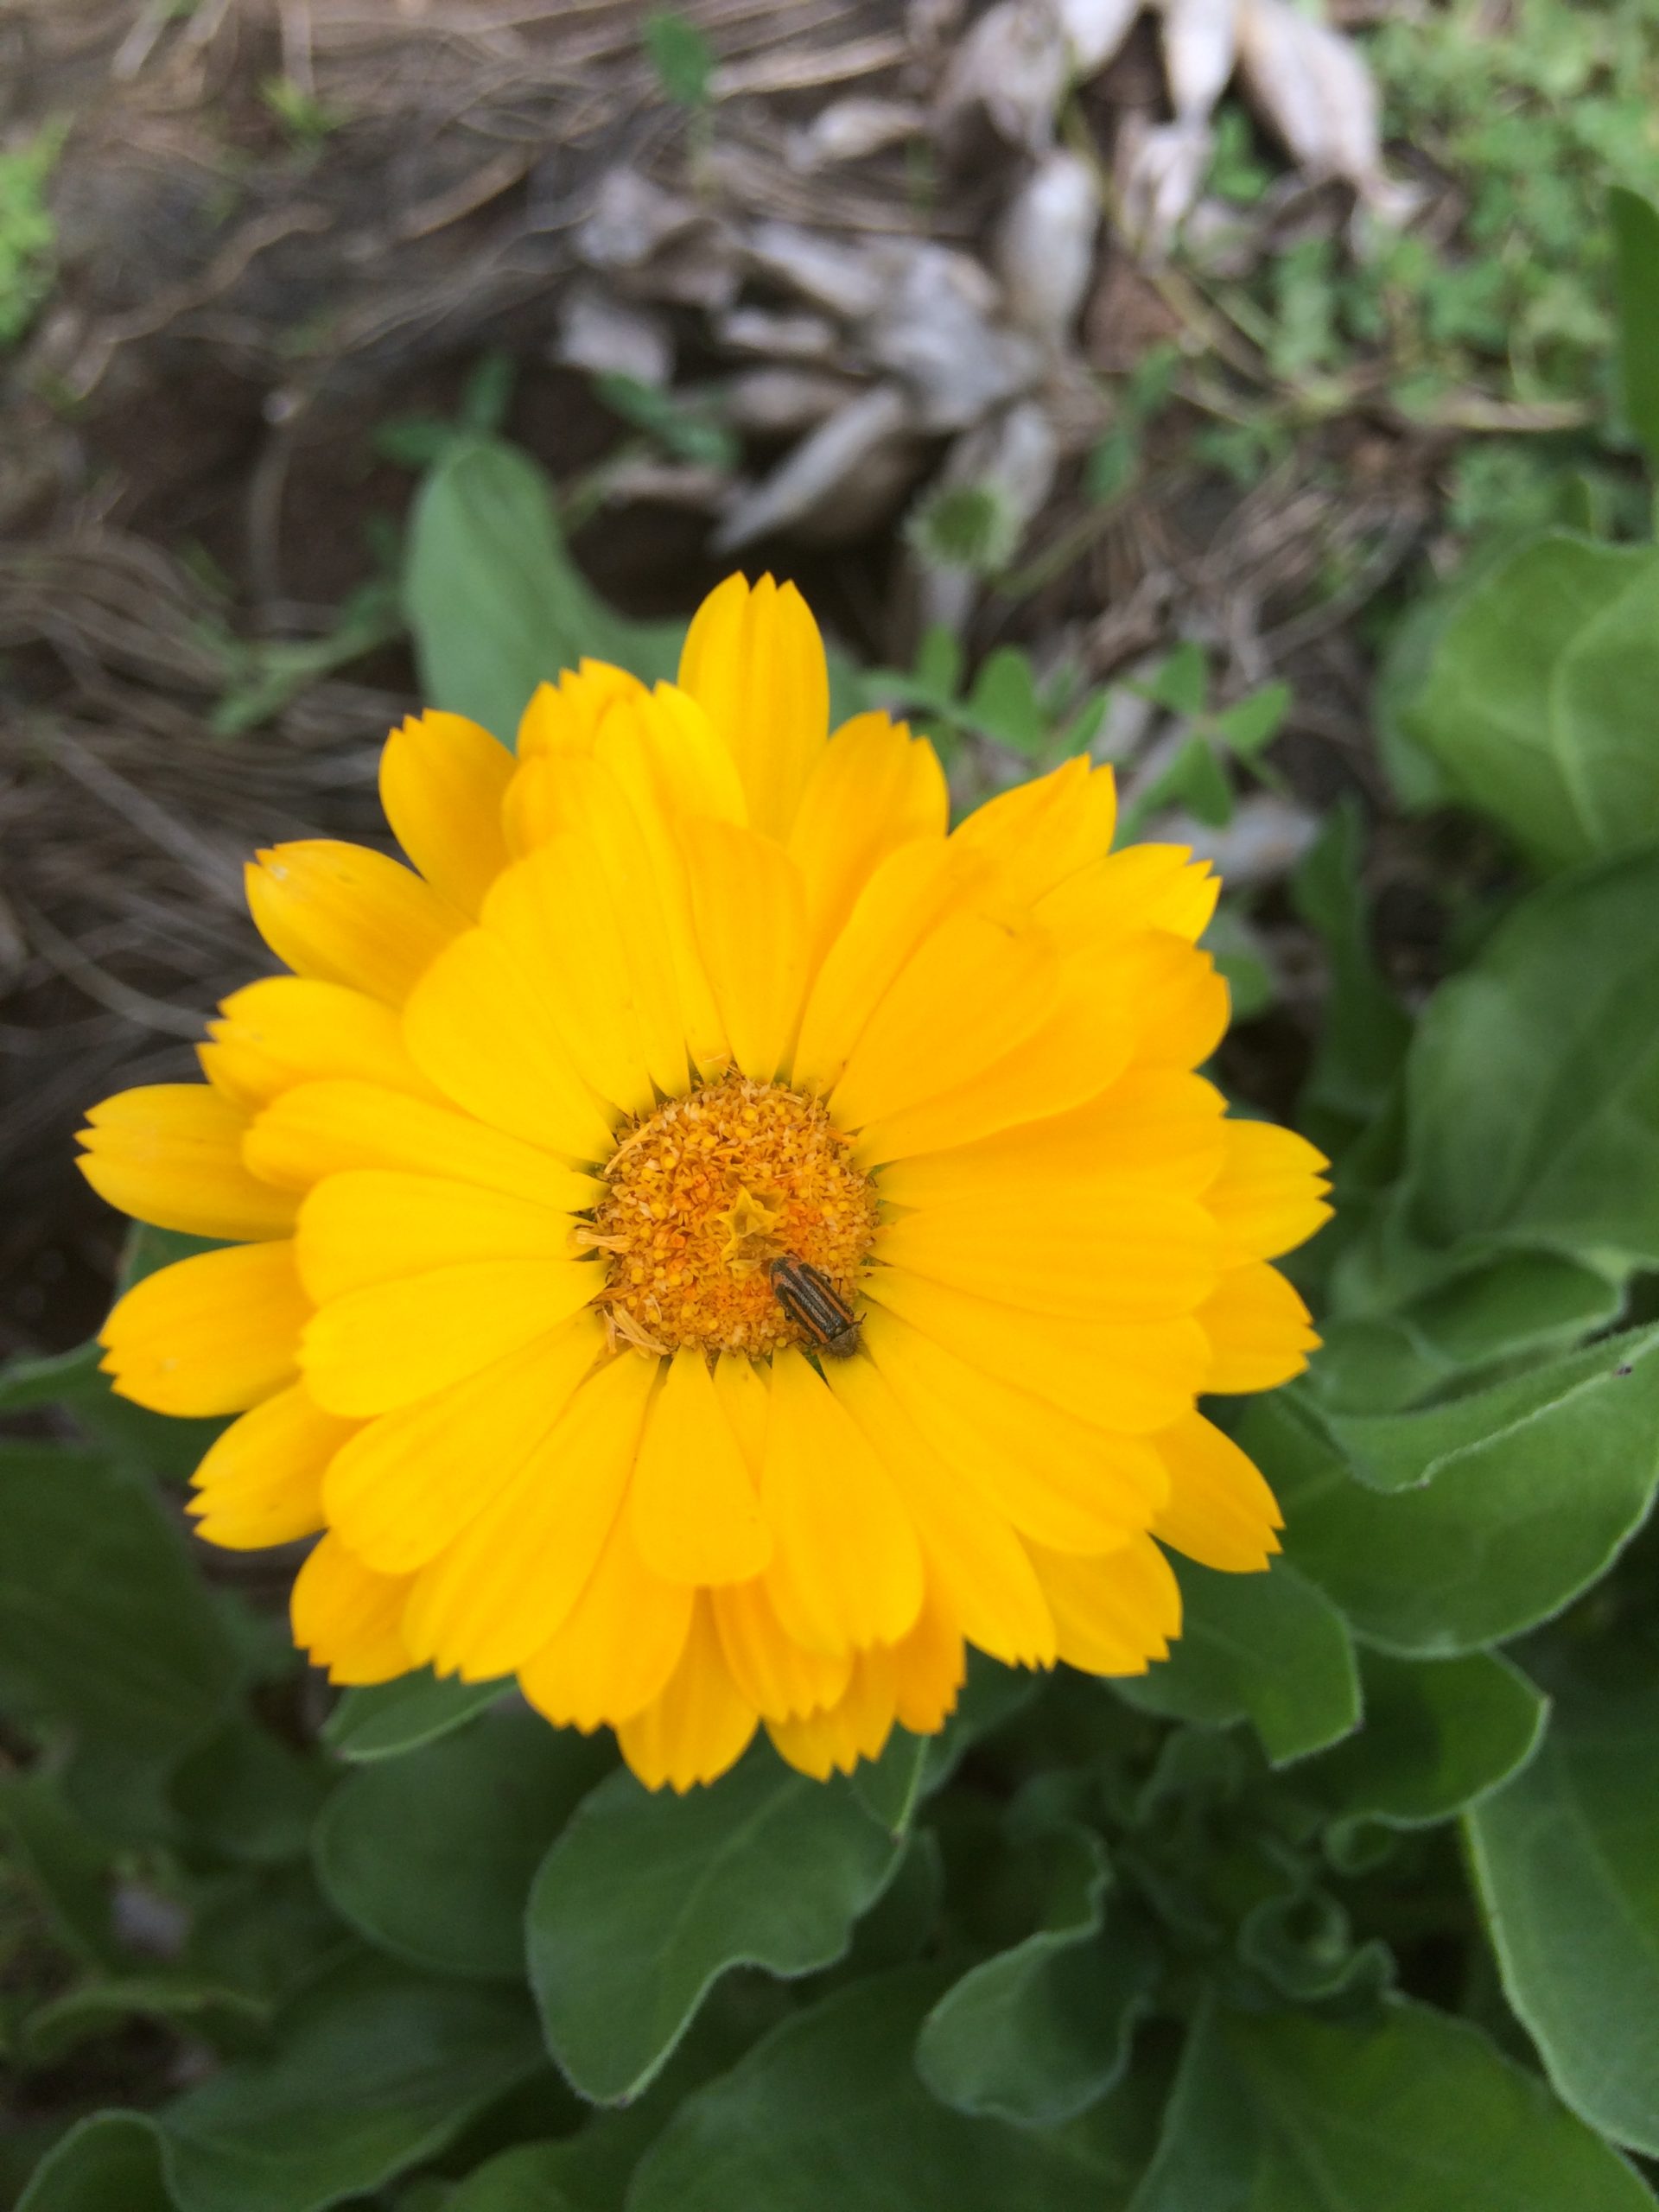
(385, 1719)
(826, 2114)
(109, 2163)
(1569, 1876)
(373, 2070)
(102, 1621)
(1266, 1647)
(1495, 1516)
(1537, 693)
(645, 1901)
(432, 1856)
(1038, 2032)
(1438, 1735)
(1413, 2112)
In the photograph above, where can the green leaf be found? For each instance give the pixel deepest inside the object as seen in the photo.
(495, 602)
(1363, 1038)
(1512, 1514)
(1439, 1735)
(1568, 1877)
(1266, 1647)
(645, 1901)
(102, 1621)
(373, 2070)
(890, 1787)
(65, 1864)
(432, 1856)
(681, 56)
(1534, 1081)
(1521, 1303)
(1252, 723)
(1416, 2113)
(388, 1719)
(826, 2114)
(1182, 684)
(1003, 703)
(1635, 271)
(110, 2162)
(97, 2008)
(1038, 2032)
(1535, 697)
(247, 1795)
(527, 2178)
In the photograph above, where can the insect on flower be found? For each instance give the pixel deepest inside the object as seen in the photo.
(810, 1302)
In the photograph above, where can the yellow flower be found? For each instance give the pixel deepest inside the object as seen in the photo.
(688, 988)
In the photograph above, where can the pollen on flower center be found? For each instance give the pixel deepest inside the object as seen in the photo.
(703, 1194)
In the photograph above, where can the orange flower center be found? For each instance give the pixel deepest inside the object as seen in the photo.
(704, 1193)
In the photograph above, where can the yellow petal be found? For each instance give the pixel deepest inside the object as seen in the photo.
(393, 1343)
(1269, 1197)
(972, 991)
(1142, 888)
(1119, 1375)
(930, 1666)
(347, 1619)
(171, 1153)
(972, 1555)
(699, 1726)
(1056, 1478)
(347, 915)
(261, 1482)
(693, 1509)
(1156, 1124)
(664, 752)
(1080, 1250)
(324, 1128)
(848, 1568)
(874, 789)
(214, 1334)
(478, 1025)
(751, 923)
(743, 1390)
(563, 718)
(855, 1727)
(1081, 1045)
(909, 894)
(1043, 832)
(1260, 1331)
(615, 1654)
(556, 913)
(407, 1484)
(642, 876)
(369, 1226)
(753, 660)
(285, 1030)
(442, 780)
(508, 1584)
(1187, 1021)
(775, 1674)
(1113, 1613)
(1220, 1511)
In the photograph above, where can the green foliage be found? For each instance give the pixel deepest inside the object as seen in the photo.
(641, 1905)
(1533, 700)
(29, 235)
(1570, 1882)
(681, 56)
(1411, 2113)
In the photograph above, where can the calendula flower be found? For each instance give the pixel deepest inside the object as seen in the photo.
(707, 1240)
